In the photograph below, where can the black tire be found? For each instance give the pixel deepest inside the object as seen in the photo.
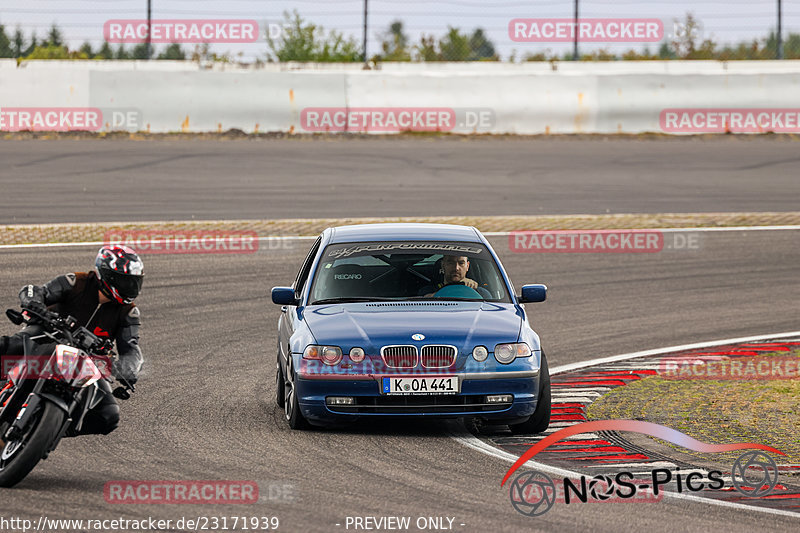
(280, 391)
(540, 419)
(31, 446)
(291, 407)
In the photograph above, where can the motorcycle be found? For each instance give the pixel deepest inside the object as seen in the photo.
(49, 390)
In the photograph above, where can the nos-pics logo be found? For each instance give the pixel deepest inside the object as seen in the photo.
(754, 474)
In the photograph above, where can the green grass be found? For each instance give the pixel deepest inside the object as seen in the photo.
(718, 412)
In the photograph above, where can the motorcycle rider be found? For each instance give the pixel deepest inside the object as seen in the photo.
(102, 302)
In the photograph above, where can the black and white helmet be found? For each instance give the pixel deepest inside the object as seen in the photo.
(120, 273)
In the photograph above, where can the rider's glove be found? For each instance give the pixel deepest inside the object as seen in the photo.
(121, 369)
(36, 307)
(31, 298)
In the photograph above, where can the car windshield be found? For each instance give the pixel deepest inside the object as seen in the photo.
(407, 270)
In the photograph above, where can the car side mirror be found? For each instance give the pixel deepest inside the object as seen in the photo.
(283, 296)
(533, 293)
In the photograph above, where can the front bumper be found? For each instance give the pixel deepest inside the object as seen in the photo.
(523, 386)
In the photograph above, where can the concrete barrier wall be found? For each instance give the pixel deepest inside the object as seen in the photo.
(531, 98)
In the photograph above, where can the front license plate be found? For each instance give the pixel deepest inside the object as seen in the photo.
(416, 385)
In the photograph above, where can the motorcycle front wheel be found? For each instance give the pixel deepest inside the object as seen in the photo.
(18, 457)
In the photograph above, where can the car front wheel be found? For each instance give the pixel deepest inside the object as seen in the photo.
(291, 406)
(540, 419)
(280, 387)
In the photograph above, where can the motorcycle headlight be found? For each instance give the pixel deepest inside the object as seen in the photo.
(75, 367)
(506, 353)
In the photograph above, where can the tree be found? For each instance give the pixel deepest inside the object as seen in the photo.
(481, 46)
(55, 52)
(665, 52)
(633, 55)
(140, 51)
(687, 44)
(122, 53)
(301, 41)
(394, 44)
(18, 43)
(31, 47)
(6, 49)
(791, 47)
(54, 37)
(173, 51)
(598, 55)
(202, 54)
(105, 52)
(48, 52)
(336, 49)
(454, 46)
(426, 49)
(540, 56)
(86, 48)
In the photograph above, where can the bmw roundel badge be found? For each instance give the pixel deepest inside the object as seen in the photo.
(418, 337)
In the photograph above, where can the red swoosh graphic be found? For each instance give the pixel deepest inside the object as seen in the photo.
(636, 426)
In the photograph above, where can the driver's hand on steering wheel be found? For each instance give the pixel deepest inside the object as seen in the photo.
(471, 283)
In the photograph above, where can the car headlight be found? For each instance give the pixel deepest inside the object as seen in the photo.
(480, 353)
(357, 354)
(330, 355)
(506, 353)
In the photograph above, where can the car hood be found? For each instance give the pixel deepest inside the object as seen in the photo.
(372, 325)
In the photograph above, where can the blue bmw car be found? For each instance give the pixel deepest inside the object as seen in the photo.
(408, 320)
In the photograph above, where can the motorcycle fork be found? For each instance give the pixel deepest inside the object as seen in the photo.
(5, 394)
(25, 413)
(87, 405)
(21, 390)
(15, 401)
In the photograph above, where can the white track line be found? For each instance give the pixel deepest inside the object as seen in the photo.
(665, 230)
(269, 238)
(486, 233)
(669, 349)
(470, 441)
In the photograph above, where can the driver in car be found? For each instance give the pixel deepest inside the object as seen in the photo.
(454, 270)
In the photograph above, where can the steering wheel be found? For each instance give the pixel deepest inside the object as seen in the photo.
(457, 290)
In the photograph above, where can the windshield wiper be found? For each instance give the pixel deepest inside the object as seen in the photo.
(446, 298)
(345, 299)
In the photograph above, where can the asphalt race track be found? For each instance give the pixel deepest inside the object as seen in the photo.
(205, 410)
(123, 180)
